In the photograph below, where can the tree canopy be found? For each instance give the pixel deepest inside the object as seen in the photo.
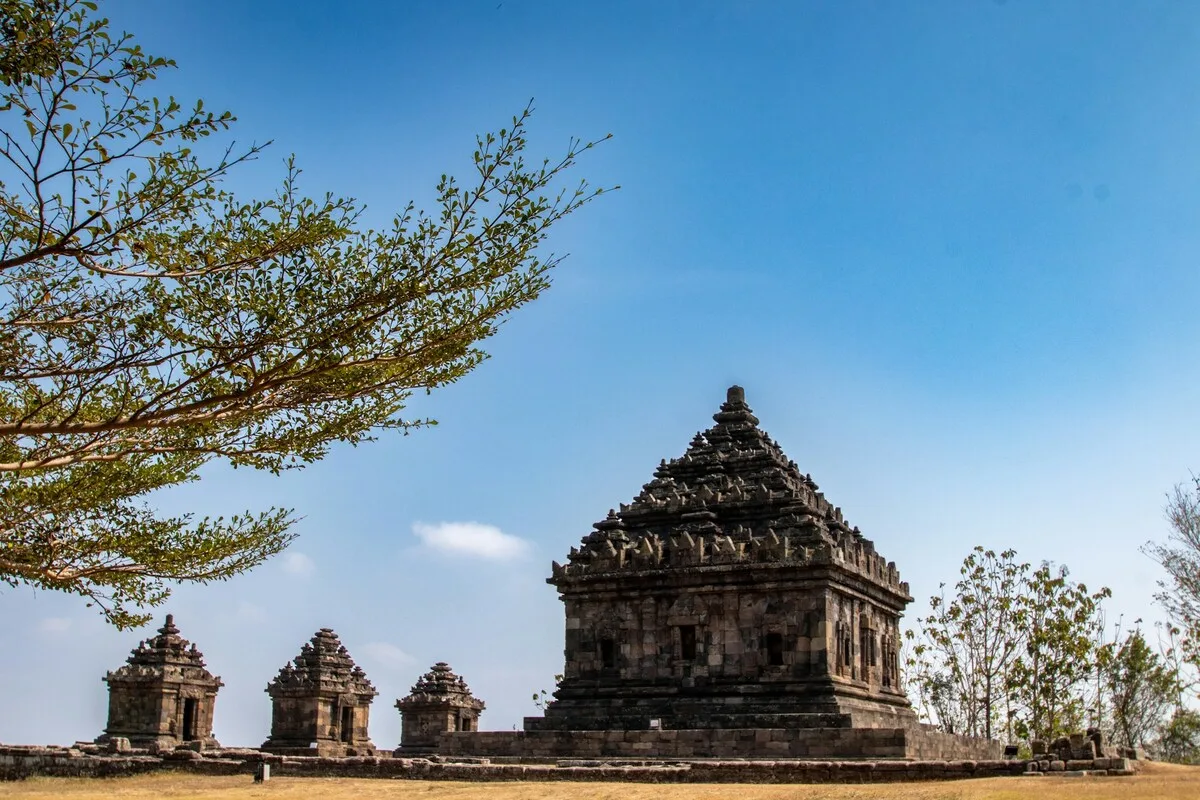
(1009, 652)
(152, 321)
(1142, 689)
(1180, 557)
(964, 657)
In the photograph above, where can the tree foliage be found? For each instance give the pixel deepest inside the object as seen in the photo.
(1009, 652)
(1141, 689)
(151, 321)
(541, 698)
(1179, 739)
(1060, 653)
(1180, 557)
(30, 42)
(969, 644)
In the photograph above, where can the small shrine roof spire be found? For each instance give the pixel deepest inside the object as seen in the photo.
(440, 685)
(168, 649)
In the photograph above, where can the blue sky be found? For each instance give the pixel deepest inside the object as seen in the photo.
(949, 248)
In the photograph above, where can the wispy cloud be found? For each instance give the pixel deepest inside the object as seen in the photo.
(54, 625)
(471, 539)
(249, 612)
(387, 655)
(299, 565)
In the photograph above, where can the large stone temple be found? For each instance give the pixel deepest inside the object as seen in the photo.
(728, 611)
(730, 593)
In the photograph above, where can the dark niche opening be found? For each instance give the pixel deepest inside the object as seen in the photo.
(347, 724)
(608, 653)
(687, 642)
(775, 649)
(189, 719)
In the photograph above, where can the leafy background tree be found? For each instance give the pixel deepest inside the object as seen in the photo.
(1051, 678)
(152, 321)
(1179, 739)
(1179, 594)
(1045, 668)
(961, 662)
(1141, 689)
(1010, 653)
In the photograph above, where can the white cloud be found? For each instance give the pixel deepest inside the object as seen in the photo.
(470, 539)
(299, 565)
(54, 625)
(386, 654)
(249, 612)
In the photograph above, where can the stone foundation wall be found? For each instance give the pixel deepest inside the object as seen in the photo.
(928, 743)
(867, 743)
(17, 763)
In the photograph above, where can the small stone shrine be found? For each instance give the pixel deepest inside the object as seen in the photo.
(163, 696)
(321, 702)
(729, 594)
(439, 702)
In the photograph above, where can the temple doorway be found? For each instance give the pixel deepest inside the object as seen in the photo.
(189, 719)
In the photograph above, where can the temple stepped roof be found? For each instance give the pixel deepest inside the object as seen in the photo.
(323, 666)
(732, 497)
(165, 656)
(441, 686)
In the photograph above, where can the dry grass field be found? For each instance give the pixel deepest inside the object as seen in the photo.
(1157, 782)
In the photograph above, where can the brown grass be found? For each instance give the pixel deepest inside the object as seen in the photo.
(1156, 782)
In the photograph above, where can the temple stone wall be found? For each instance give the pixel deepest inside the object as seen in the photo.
(719, 625)
(753, 743)
(22, 762)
